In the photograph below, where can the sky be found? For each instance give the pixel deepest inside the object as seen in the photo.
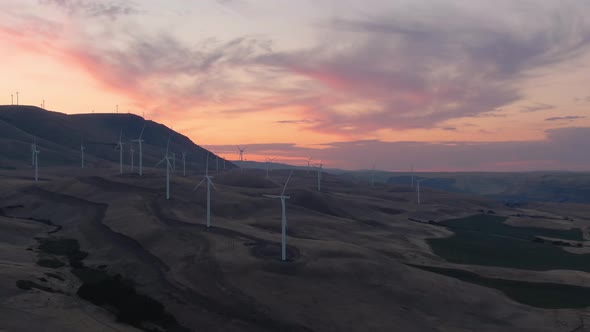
(434, 85)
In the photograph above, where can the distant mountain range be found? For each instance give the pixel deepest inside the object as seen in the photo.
(513, 188)
(59, 137)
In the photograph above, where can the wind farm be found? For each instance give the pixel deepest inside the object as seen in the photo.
(327, 213)
(303, 167)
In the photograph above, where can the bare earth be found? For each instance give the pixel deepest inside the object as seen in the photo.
(348, 250)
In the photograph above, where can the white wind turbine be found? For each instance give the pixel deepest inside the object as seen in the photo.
(209, 184)
(268, 164)
(174, 161)
(373, 174)
(418, 188)
(82, 148)
(140, 141)
(132, 156)
(241, 149)
(33, 149)
(321, 164)
(283, 218)
(184, 164)
(168, 167)
(36, 161)
(120, 147)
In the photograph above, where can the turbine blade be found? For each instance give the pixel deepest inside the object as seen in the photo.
(213, 184)
(159, 162)
(168, 145)
(286, 183)
(200, 183)
(142, 129)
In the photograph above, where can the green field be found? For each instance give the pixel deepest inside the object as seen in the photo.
(486, 240)
(493, 224)
(540, 295)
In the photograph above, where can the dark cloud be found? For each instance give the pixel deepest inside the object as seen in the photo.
(565, 118)
(449, 128)
(537, 107)
(87, 8)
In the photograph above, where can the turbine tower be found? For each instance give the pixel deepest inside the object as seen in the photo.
(283, 218)
(309, 164)
(184, 164)
(140, 141)
(17, 97)
(82, 148)
(33, 149)
(412, 175)
(120, 147)
(132, 156)
(168, 167)
(418, 188)
(241, 149)
(373, 174)
(209, 184)
(36, 160)
(321, 164)
(268, 162)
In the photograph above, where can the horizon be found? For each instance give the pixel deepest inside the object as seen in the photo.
(451, 86)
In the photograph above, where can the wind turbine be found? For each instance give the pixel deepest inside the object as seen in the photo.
(140, 141)
(33, 149)
(373, 174)
(268, 161)
(120, 147)
(309, 164)
(184, 164)
(412, 175)
(132, 155)
(320, 175)
(82, 148)
(241, 149)
(36, 160)
(174, 161)
(418, 188)
(168, 166)
(283, 218)
(209, 184)
(17, 97)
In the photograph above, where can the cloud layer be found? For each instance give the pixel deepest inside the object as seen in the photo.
(413, 67)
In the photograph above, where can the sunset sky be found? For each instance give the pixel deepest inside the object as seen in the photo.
(443, 85)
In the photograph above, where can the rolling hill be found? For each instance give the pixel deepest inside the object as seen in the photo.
(60, 135)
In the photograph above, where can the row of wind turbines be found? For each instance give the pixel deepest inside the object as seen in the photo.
(169, 162)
